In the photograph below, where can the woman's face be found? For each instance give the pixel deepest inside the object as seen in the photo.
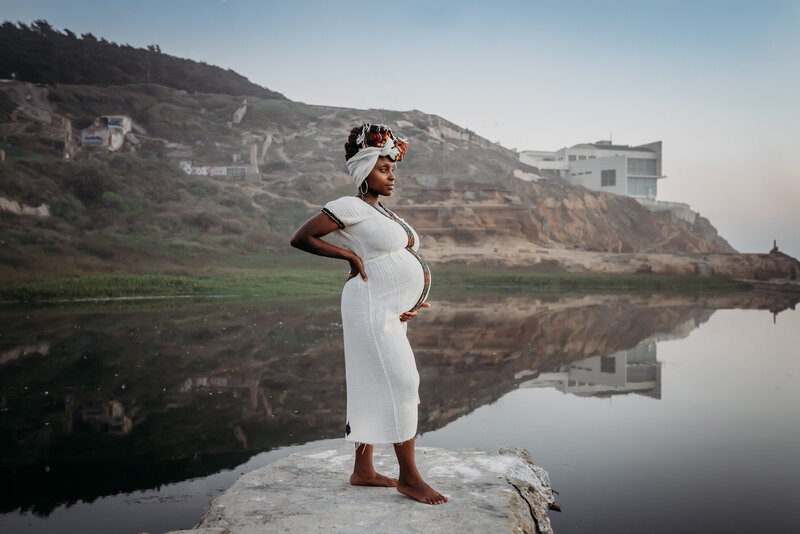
(381, 179)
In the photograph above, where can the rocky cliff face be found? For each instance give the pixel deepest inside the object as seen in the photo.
(458, 188)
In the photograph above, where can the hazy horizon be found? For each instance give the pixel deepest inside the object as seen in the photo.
(715, 81)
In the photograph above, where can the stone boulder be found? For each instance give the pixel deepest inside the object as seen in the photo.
(489, 490)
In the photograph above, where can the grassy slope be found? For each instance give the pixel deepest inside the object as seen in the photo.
(128, 213)
(297, 275)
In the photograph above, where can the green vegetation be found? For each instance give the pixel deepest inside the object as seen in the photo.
(20, 154)
(255, 284)
(281, 112)
(135, 213)
(297, 276)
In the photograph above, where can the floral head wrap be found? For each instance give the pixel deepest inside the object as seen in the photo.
(374, 143)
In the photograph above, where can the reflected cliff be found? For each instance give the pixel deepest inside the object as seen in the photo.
(111, 399)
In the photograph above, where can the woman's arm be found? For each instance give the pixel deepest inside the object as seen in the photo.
(307, 238)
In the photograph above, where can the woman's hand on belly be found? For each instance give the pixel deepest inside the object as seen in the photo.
(410, 315)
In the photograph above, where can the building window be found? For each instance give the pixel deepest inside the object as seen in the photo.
(572, 158)
(642, 167)
(608, 364)
(608, 178)
(642, 187)
(581, 157)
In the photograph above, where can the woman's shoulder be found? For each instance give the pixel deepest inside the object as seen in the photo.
(349, 201)
(346, 211)
(350, 204)
(346, 201)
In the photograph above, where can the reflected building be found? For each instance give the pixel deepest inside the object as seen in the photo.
(627, 371)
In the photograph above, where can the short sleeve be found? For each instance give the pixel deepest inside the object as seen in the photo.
(345, 211)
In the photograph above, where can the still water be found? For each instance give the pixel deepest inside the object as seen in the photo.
(651, 414)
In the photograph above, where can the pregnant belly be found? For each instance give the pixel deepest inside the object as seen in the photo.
(401, 279)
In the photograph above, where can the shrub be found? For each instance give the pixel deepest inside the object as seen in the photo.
(67, 208)
(112, 200)
(232, 226)
(204, 221)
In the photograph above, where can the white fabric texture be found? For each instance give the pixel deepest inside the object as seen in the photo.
(382, 377)
(362, 163)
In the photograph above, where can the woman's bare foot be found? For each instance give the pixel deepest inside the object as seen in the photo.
(420, 491)
(364, 473)
(372, 479)
(410, 482)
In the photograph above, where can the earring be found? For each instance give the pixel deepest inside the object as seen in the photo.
(363, 191)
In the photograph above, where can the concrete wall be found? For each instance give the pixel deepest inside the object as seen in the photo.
(591, 151)
(542, 160)
(118, 123)
(657, 150)
(587, 173)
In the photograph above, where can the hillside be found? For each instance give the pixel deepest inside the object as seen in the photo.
(105, 208)
(40, 54)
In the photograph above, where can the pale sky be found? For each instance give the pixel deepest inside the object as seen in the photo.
(716, 81)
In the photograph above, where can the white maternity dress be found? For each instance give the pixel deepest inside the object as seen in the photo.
(382, 377)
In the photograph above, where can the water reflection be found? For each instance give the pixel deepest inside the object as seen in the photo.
(627, 371)
(635, 370)
(108, 398)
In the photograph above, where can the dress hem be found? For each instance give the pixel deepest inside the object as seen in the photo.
(378, 442)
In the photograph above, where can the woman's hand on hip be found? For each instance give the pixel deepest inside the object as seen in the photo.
(356, 268)
(407, 316)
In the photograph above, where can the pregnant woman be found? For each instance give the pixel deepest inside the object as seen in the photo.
(388, 284)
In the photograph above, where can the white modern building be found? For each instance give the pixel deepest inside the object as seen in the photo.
(602, 166)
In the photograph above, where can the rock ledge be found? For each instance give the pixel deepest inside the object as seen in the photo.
(489, 490)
